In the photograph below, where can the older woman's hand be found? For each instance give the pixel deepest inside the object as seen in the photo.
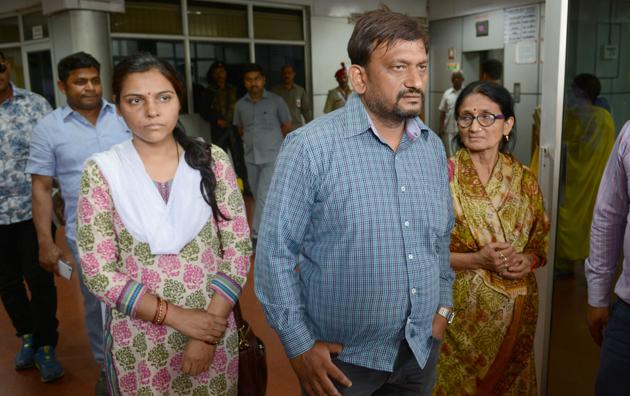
(521, 267)
(496, 257)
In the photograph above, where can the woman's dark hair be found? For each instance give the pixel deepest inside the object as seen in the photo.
(382, 27)
(78, 60)
(499, 95)
(588, 84)
(198, 155)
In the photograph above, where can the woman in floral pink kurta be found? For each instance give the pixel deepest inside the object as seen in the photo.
(143, 358)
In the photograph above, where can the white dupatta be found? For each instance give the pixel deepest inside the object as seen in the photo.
(166, 226)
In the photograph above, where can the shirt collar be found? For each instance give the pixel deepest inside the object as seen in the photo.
(358, 121)
(17, 92)
(66, 110)
(265, 95)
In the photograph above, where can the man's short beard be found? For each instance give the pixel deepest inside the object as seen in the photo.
(392, 115)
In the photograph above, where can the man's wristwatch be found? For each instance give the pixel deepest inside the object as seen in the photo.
(446, 313)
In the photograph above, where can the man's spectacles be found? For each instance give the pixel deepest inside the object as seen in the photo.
(3, 67)
(484, 119)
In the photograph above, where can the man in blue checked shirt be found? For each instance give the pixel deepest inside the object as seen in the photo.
(61, 143)
(361, 196)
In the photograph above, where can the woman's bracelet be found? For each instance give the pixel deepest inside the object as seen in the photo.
(160, 311)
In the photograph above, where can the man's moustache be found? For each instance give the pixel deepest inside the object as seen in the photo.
(410, 91)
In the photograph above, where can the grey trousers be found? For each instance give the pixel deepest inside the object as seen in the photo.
(93, 311)
(407, 379)
(259, 176)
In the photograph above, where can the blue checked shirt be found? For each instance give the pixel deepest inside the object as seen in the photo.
(371, 228)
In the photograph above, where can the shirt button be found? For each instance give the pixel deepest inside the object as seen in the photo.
(406, 224)
(413, 290)
(402, 188)
(410, 257)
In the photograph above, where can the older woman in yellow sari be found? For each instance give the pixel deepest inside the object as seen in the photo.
(499, 239)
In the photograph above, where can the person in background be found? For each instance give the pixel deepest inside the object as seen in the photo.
(500, 237)
(295, 96)
(262, 119)
(587, 139)
(164, 243)
(491, 70)
(361, 198)
(337, 97)
(218, 109)
(220, 106)
(61, 143)
(448, 126)
(34, 318)
(610, 234)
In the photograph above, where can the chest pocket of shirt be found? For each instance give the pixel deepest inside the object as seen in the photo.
(268, 119)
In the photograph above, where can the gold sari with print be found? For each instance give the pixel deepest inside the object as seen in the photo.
(488, 349)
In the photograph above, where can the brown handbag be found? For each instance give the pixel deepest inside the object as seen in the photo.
(252, 365)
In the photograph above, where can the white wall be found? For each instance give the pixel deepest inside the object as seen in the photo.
(327, 53)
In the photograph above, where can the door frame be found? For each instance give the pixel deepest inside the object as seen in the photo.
(552, 103)
(45, 45)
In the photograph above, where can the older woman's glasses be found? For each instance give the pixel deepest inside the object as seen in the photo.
(484, 119)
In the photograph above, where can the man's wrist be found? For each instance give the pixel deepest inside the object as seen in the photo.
(447, 313)
(45, 241)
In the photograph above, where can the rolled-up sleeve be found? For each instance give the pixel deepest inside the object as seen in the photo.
(41, 160)
(285, 220)
(609, 223)
(447, 276)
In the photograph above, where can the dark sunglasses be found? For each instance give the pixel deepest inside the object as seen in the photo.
(3, 67)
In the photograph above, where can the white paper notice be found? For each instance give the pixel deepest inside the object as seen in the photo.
(526, 52)
(520, 23)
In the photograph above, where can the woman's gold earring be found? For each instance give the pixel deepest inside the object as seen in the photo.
(507, 138)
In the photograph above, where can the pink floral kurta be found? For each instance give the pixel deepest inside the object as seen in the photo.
(142, 358)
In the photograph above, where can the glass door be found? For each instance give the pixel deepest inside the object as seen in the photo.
(596, 104)
(39, 76)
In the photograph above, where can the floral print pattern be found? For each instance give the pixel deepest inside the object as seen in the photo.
(488, 349)
(18, 116)
(147, 358)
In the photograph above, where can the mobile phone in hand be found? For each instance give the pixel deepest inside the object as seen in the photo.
(64, 269)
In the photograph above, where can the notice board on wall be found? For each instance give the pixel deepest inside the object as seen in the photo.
(520, 24)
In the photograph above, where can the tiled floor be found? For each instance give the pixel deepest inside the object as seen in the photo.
(573, 356)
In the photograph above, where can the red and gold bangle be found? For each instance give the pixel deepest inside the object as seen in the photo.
(535, 262)
(163, 311)
(160, 311)
(157, 310)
